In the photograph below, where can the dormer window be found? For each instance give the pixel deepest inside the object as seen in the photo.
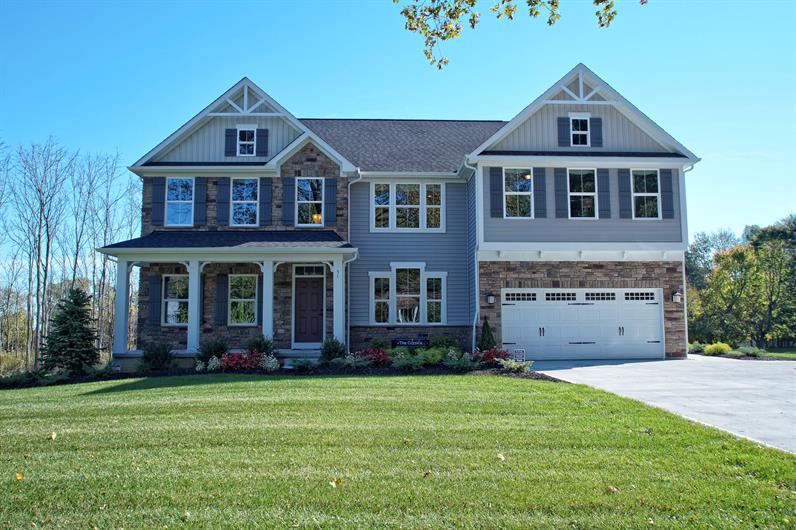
(247, 137)
(579, 129)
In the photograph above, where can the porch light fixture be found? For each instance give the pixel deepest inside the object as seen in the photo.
(490, 299)
(316, 218)
(677, 297)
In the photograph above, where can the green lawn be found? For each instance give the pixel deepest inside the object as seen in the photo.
(224, 450)
(771, 354)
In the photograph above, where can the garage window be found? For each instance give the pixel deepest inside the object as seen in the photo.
(520, 297)
(600, 297)
(639, 297)
(560, 297)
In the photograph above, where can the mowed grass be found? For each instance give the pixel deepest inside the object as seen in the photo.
(414, 451)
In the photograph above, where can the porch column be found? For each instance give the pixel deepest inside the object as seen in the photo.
(338, 298)
(121, 306)
(267, 267)
(194, 309)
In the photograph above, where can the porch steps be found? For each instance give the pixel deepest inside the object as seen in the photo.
(289, 357)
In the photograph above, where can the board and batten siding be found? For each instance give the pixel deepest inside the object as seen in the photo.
(206, 144)
(441, 252)
(540, 131)
(555, 230)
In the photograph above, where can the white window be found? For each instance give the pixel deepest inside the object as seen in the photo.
(242, 300)
(247, 140)
(582, 193)
(408, 295)
(579, 133)
(244, 197)
(646, 194)
(309, 202)
(179, 201)
(517, 193)
(174, 310)
(413, 206)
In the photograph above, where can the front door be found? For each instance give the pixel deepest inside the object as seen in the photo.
(308, 326)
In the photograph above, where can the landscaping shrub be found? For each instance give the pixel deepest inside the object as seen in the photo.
(303, 365)
(487, 339)
(434, 356)
(377, 356)
(214, 364)
(751, 351)
(444, 342)
(514, 367)
(696, 347)
(717, 348)
(240, 362)
(403, 359)
(199, 367)
(379, 344)
(212, 348)
(70, 342)
(460, 360)
(352, 361)
(269, 363)
(332, 349)
(261, 345)
(156, 357)
(492, 355)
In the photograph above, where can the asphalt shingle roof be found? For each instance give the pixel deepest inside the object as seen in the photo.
(229, 239)
(404, 145)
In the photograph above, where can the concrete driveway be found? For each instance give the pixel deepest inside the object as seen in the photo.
(752, 399)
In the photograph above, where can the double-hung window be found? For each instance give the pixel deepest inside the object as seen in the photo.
(247, 139)
(179, 201)
(582, 193)
(309, 202)
(245, 192)
(381, 299)
(408, 295)
(174, 308)
(407, 206)
(579, 129)
(646, 194)
(517, 193)
(242, 300)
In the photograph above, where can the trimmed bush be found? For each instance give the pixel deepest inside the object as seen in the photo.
(241, 362)
(717, 348)
(332, 349)
(379, 344)
(493, 355)
(403, 359)
(214, 364)
(751, 351)
(269, 363)
(487, 339)
(156, 357)
(434, 356)
(352, 361)
(696, 347)
(515, 367)
(377, 356)
(303, 365)
(459, 360)
(261, 345)
(443, 341)
(212, 348)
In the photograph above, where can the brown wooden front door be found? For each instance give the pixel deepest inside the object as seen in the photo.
(309, 310)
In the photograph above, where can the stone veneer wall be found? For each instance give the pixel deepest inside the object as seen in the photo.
(361, 336)
(667, 275)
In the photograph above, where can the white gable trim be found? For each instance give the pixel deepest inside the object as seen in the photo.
(612, 97)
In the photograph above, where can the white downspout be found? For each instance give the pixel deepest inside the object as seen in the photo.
(477, 295)
(346, 262)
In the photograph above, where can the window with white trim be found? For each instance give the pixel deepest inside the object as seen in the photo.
(579, 133)
(247, 140)
(582, 184)
(517, 193)
(309, 201)
(179, 201)
(646, 194)
(381, 299)
(415, 206)
(174, 308)
(242, 300)
(433, 299)
(409, 295)
(244, 197)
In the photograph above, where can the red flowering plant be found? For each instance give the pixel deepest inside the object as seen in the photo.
(241, 362)
(377, 356)
(491, 356)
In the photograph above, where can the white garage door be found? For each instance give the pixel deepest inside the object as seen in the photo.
(583, 323)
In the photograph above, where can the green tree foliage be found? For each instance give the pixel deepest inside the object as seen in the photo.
(487, 339)
(441, 20)
(699, 257)
(70, 344)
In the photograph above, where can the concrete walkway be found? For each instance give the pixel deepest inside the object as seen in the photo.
(752, 399)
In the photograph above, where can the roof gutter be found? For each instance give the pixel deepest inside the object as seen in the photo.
(246, 251)
(476, 313)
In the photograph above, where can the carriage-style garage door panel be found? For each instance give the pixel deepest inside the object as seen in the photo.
(583, 323)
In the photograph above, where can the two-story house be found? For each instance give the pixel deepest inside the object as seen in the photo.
(565, 227)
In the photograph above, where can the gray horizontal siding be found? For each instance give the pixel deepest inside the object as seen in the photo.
(553, 230)
(540, 131)
(441, 252)
(206, 144)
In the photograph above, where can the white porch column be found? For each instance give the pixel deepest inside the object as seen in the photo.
(121, 307)
(338, 297)
(267, 267)
(194, 309)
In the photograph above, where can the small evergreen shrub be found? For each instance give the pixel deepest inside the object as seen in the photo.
(212, 348)
(379, 344)
(214, 364)
(156, 357)
(460, 360)
(487, 339)
(433, 356)
(269, 364)
(69, 345)
(717, 348)
(403, 359)
(444, 342)
(332, 349)
(696, 347)
(352, 361)
(514, 367)
(377, 356)
(261, 345)
(751, 351)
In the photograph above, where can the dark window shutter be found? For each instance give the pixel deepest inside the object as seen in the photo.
(222, 284)
(496, 191)
(288, 200)
(330, 201)
(563, 132)
(603, 193)
(262, 142)
(158, 200)
(200, 201)
(562, 209)
(260, 293)
(222, 202)
(266, 199)
(667, 194)
(625, 197)
(230, 142)
(155, 288)
(540, 192)
(596, 131)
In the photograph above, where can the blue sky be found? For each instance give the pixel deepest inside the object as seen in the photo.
(718, 75)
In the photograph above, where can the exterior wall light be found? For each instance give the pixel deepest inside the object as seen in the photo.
(490, 299)
(677, 297)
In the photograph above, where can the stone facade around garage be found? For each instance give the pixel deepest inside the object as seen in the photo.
(361, 336)
(666, 275)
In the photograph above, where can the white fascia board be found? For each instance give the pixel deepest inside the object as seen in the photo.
(203, 171)
(307, 137)
(225, 254)
(619, 246)
(581, 255)
(580, 161)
